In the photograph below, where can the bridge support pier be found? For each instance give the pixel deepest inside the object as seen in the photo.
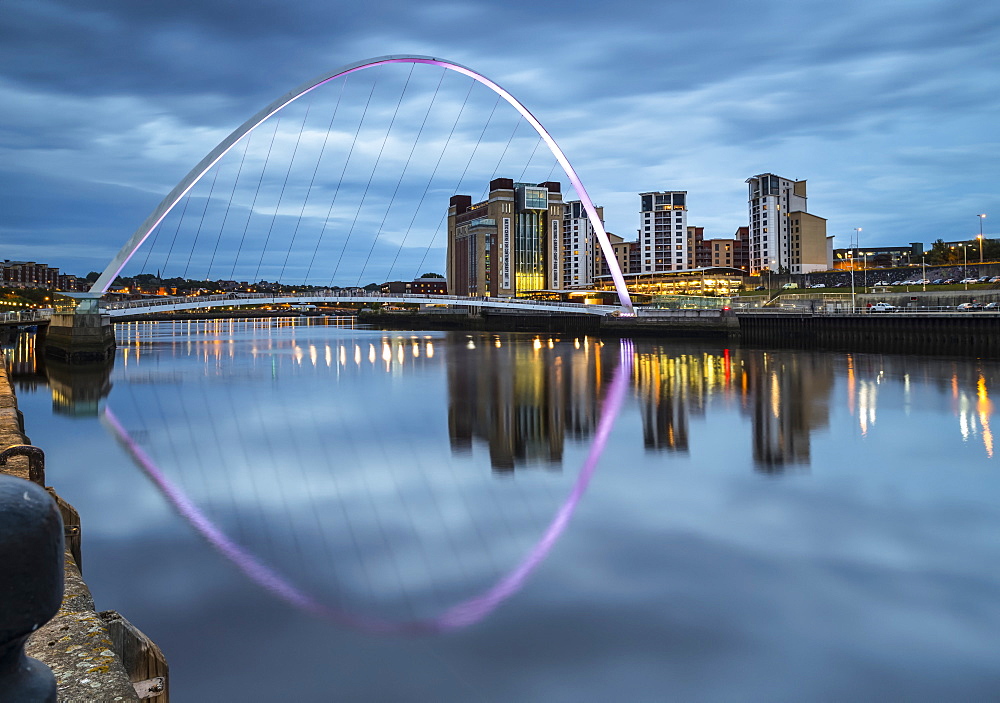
(82, 336)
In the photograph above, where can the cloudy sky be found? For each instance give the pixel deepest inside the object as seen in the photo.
(890, 110)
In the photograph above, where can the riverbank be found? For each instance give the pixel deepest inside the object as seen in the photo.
(94, 655)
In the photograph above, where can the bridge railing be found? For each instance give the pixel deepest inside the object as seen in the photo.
(333, 296)
(865, 310)
(26, 316)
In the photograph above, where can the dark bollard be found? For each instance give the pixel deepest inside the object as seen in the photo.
(31, 585)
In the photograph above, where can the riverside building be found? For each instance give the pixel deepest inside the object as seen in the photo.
(509, 244)
(582, 258)
(663, 242)
(784, 236)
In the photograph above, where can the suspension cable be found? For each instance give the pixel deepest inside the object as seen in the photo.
(281, 194)
(434, 171)
(371, 177)
(253, 203)
(312, 181)
(229, 205)
(340, 182)
(402, 173)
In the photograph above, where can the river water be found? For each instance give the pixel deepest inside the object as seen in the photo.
(303, 510)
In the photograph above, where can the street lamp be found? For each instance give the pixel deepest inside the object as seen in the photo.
(854, 252)
(981, 218)
(965, 265)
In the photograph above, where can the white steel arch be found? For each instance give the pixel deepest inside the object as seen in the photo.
(188, 182)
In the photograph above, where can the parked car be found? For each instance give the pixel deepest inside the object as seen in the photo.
(937, 281)
(790, 285)
(882, 283)
(881, 307)
(984, 279)
(995, 279)
(949, 281)
(818, 285)
(760, 288)
(992, 306)
(965, 307)
(969, 280)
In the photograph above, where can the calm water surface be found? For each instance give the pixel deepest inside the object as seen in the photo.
(332, 513)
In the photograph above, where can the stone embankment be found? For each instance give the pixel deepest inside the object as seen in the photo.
(94, 656)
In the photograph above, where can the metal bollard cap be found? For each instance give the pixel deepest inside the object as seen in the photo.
(31, 558)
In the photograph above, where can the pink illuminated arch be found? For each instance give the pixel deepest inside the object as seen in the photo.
(188, 182)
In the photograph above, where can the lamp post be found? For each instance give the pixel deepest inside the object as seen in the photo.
(965, 265)
(923, 274)
(854, 252)
(981, 218)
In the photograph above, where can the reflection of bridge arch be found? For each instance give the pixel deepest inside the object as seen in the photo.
(188, 182)
(463, 614)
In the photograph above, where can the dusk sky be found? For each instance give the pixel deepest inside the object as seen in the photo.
(890, 110)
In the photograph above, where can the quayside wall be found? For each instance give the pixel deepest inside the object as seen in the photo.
(95, 656)
(964, 334)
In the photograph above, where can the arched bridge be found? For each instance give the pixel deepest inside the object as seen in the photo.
(291, 237)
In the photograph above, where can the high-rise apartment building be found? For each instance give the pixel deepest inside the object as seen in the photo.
(663, 242)
(582, 257)
(509, 244)
(783, 235)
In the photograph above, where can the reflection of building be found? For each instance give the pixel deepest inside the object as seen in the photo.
(783, 235)
(522, 397)
(788, 398)
(76, 389)
(509, 244)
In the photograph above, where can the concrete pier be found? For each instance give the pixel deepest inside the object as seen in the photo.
(81, 336)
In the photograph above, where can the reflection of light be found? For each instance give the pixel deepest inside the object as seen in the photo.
(867, 400)
(850, 384)
(399, 353)
(964, 426)
(496, 343)
(775, 395)
(357, 354)
(985, 408)
(429, 350)
(470, 344)
(576, 343)
(537, 344)
(416, 349)
(327, 355)
(371, 353)
(313, 354)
